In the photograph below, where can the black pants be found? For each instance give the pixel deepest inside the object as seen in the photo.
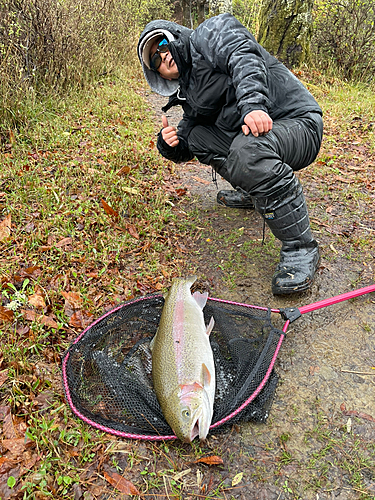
(261, 165)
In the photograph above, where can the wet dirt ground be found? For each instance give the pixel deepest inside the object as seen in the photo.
(318, 441)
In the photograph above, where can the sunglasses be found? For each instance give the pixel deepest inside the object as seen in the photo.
(156, 60)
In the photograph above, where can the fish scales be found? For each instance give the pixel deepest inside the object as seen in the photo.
(183, 366)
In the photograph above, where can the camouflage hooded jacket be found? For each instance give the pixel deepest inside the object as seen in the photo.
(224, 74)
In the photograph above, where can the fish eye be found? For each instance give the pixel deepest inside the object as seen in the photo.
(186, 413)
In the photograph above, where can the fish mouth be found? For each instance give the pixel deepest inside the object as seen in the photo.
(195, 430)
(200, 428)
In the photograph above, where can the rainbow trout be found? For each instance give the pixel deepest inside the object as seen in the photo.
(183, 369)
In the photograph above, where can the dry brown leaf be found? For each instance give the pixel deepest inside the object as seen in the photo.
(123, 170)
(109, 210)
(33, 271)
(314, 369)
(132, 231)
(122, 484)
(4, 410)
(37, 300)
(15, 446)
(211, 460)
(6, 314)
(30, 315)
(8, 427)
(64, 242)
(81, 319)
(199, 179)
(3, 377)
(5, 228)
(73, 298)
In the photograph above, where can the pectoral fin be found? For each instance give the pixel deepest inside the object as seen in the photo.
(206, 375)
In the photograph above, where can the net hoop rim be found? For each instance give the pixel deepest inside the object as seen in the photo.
(152, 437)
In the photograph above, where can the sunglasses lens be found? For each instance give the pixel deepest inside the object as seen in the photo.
(155, 61)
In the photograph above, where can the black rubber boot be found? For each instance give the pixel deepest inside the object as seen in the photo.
(286, 215)
(234, 199)
(229, 197)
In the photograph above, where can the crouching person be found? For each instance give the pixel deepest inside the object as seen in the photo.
(247, 116)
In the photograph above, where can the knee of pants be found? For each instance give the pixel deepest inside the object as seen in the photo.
(254, 165)
(207, 141)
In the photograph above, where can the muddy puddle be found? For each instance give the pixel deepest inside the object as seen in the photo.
(318, 442)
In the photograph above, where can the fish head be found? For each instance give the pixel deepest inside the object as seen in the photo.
(195, 413)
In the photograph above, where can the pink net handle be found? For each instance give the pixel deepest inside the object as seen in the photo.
(336, 299)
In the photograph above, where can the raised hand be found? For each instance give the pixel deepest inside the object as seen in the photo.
(257, 122)
(168, 133)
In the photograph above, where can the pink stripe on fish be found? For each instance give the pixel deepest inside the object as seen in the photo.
(178, 330)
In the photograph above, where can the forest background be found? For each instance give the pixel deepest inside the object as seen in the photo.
(91, 216)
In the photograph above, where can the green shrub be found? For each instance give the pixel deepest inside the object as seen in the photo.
(344, 38)
(59, 44)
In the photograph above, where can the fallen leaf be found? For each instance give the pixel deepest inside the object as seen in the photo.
(122, 484)
(22, 329)
(33, 271)
(211, 460)
(3, 377)
(81, 319)
(8, 427)
(237, 479)
(123, 170)
(314, 369)
(181, 191)
(4, 410)
(199, 179)
(15, 446)
(30, 315)
(74, 299)
(5, 228)
(132, 231)
(6, 314)
(37, 300)
(64, 242)
(109, 210)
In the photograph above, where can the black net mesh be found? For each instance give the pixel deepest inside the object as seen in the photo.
(107, 370)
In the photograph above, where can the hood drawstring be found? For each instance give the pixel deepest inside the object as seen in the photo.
(174, 100)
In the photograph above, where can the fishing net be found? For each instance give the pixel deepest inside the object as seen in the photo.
(107, 369)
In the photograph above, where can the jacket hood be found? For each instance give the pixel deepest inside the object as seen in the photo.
(178, 38)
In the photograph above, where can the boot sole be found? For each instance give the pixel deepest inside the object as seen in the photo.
(235, 205)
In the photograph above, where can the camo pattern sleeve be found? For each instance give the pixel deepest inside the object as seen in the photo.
(231, 49)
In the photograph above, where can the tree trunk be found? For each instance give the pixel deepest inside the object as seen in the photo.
(220, 7)
(285, 29)
(201, 10)
(186, 13)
